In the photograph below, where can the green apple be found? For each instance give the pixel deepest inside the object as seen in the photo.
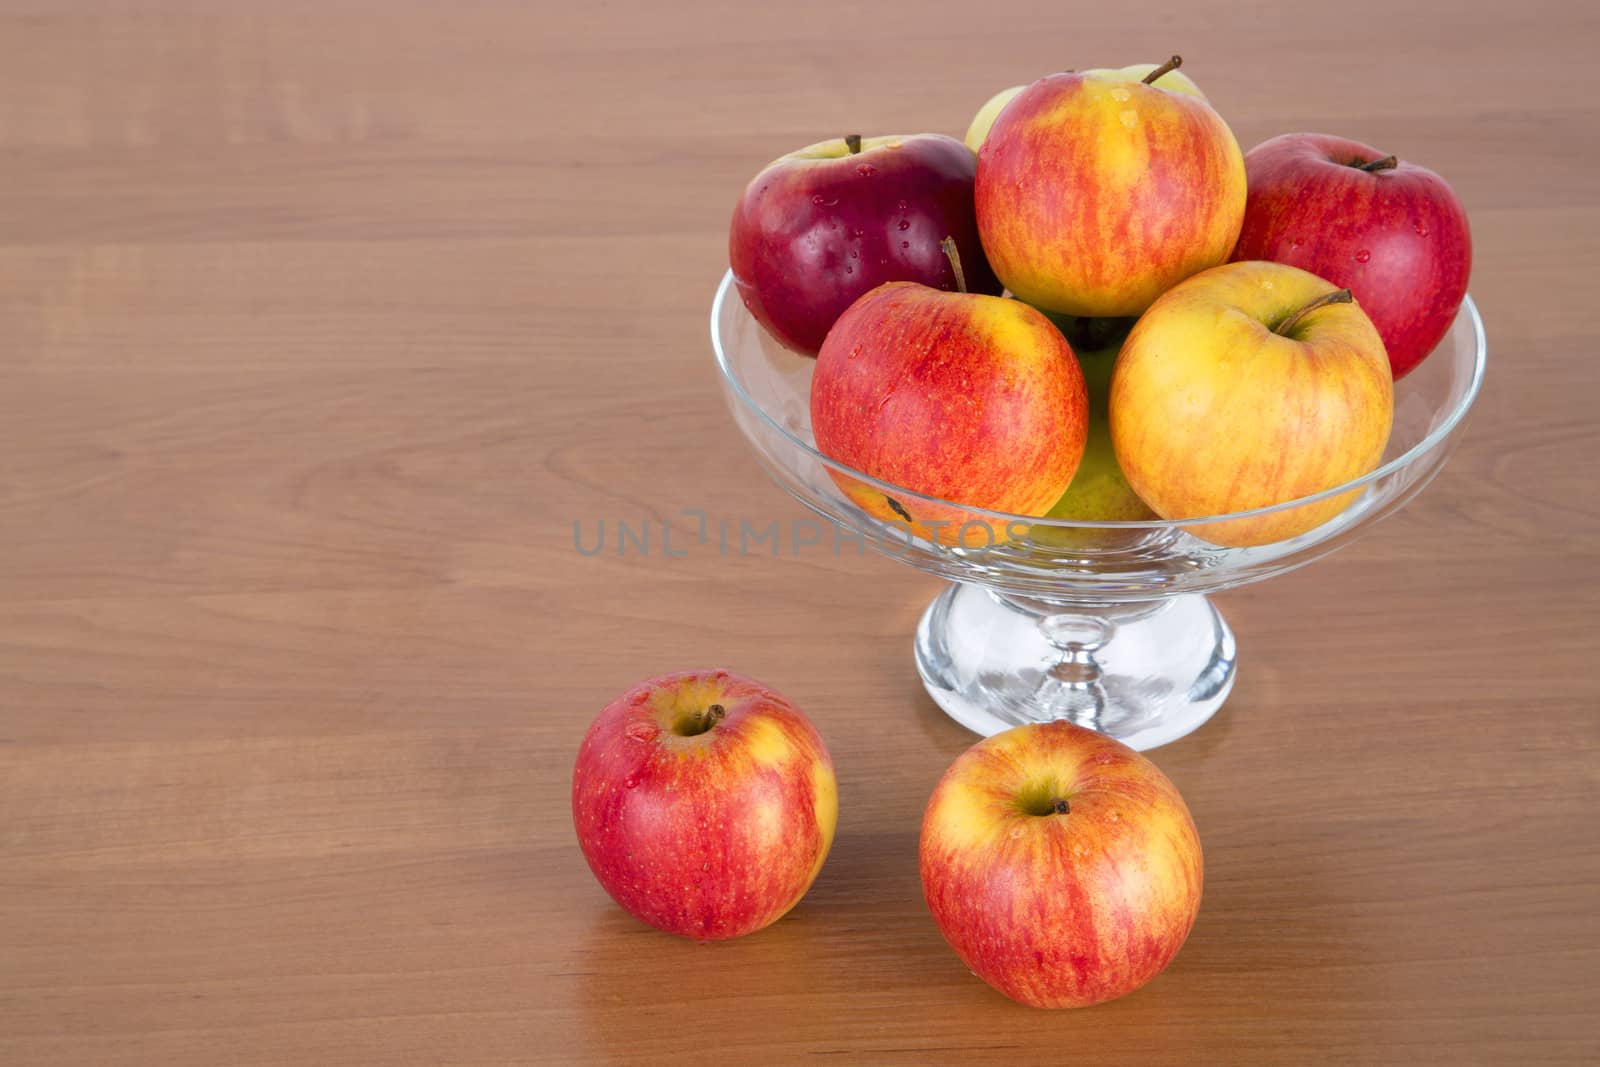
(1099, 492)
(1176, 80)
(987, 114)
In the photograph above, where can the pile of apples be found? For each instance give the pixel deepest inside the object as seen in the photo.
(1099, 309)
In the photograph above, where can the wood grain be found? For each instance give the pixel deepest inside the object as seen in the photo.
(322, 323)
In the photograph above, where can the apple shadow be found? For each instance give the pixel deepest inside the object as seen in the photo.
(862, 933)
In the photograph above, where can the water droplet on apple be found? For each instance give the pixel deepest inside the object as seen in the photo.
(631, 782)
(1295, 243)
(822, 201)
(905, 224)
(903, 205)
(849, 269)
(905, 244)
(866, 170)
(1363, 255)
(1120, 93)
(1421, 228)
(1129, 117)
(854, 352)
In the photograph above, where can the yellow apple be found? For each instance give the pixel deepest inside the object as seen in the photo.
(1248, 386)
(1176, 80)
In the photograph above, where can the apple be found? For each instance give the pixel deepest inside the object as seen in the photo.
(704, 802)
(1062, 866)
(1099, 491)
(1097, 192)
(1175, 80)
(983, 121)
(970, 399)
(820, 227)
(1246, 386)
(1391, 232)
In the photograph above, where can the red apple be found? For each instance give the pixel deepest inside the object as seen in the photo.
(1245, 387)
(820, 227)
(1097, 192)
(1391, 232)
(704, 802)
(1062, 866)
(972, 399)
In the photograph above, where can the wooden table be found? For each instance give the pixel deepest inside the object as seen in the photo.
(322, 323)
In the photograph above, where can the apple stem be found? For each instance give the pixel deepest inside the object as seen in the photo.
(714, 715)
(852, 141)
(1061, 807)
(1338, 296)
(1386, 163)
(1166, 68)
(948, 247)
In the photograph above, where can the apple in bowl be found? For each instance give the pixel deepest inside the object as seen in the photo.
(965, 398)
(1248, 386)
(1098, 191)
(1099, 491)
(705, 803)
(1062, 866)
(823, 225)
(978, 130)
(1390, 231)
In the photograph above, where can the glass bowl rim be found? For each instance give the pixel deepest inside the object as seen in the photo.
(1434, 438)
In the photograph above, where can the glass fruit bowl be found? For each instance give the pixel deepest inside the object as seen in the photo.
(1103, 623)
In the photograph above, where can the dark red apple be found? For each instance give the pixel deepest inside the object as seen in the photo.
(820, 227)
(1391, 232)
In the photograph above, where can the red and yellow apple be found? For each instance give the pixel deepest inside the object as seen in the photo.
(1243, 388)
(705, 803)
(1176, 80)
(1062, 866)
(1097, 192)
(1391, 232)
(821, 226)
(965, 398)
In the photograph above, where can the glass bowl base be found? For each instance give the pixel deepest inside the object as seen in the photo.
(1146, 674)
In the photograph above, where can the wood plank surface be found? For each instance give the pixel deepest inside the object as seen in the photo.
(323, 321)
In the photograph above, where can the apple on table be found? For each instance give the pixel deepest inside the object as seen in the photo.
(1392, 232)
(1097, 191)
(705, 803)
(823, 225)
(1250, 385)
(1062, 866)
